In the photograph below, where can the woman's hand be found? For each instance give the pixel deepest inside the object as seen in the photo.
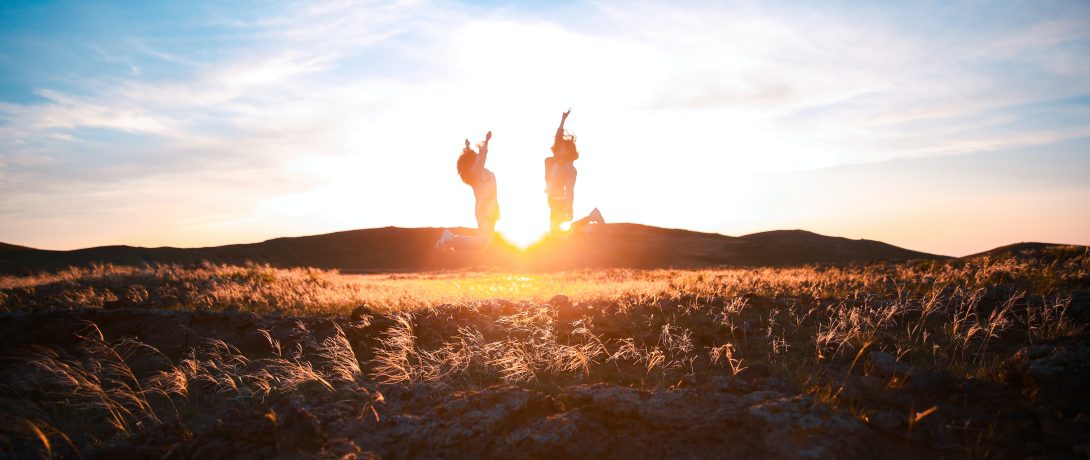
(483, 146)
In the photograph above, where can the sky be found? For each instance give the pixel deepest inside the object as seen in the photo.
(945, 127)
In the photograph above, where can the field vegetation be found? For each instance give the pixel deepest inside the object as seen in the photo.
(964, 358)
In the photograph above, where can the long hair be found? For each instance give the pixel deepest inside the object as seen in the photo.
(564, 148)
(465, 165)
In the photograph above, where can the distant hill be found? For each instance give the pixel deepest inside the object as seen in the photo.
(1032, 249)
(4, 247)
(789, 247)
(380, 249)
(410, 249)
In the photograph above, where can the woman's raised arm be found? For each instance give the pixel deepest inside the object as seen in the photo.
(560, 130)
(482, 155)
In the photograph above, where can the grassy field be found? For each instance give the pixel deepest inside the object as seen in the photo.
(958, 315)
(313, 291)
(910, 339)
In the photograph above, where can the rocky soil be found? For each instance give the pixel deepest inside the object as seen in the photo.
(1032, 405)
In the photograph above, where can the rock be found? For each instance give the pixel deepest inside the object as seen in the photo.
(931, 382)
(120, 452)
(345, 448)
(616, 400)
(1057, 432)
(730, 384)
(1080, 306)
(299, 429)
(795, 427)
(489, 408)
(889, 421)
(362, 313)
(244, 319)
(675, 409)
(170, 333)
(753, 372)
(886, 365)
(614, 326)
(1057, 373)
(567, 314)
(248, 436)
(556, 436)
(864, 387)
(507, 307)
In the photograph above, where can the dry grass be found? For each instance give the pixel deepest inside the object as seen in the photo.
(102, 389)
(812, 326)
(313, 291)
(309, 291)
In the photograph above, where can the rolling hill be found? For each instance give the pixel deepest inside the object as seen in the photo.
(1023, 250)
(4, 247)
(409, 249)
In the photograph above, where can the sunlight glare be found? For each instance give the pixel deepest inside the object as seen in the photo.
(521, 232)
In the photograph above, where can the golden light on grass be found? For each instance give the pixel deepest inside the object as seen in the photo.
(407, 292)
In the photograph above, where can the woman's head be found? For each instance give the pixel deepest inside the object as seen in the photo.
(465, 165)
(564, 148)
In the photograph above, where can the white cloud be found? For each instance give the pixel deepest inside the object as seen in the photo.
(338, 115)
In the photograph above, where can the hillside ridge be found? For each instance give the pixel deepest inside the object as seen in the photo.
(400, 249)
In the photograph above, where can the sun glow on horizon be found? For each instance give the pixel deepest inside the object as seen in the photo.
(522, 233)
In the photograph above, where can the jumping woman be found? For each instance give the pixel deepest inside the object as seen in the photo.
(560, 177)
(472, 171)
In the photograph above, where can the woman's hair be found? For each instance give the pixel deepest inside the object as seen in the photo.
(564, 148)
(465, 164)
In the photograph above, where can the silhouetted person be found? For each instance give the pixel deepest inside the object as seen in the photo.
(560, 177)
(472, 171)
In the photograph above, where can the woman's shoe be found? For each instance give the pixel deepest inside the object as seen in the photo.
(596, 216)
(446, 240)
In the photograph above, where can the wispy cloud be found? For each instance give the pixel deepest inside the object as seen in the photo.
(317, 116)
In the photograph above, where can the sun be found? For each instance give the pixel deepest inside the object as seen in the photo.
(524, 210)
(522, 232)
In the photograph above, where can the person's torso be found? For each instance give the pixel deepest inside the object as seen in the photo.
(484, 190)
(561, 179)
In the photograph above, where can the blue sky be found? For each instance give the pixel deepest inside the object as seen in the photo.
(949, 127)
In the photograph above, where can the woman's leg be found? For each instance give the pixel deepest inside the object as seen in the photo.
(579, 224)
(486, 229)
(595, 217)
(559, 213)
(554, 227)
(467, 243)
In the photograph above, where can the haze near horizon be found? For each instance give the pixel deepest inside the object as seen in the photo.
(948, 129)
